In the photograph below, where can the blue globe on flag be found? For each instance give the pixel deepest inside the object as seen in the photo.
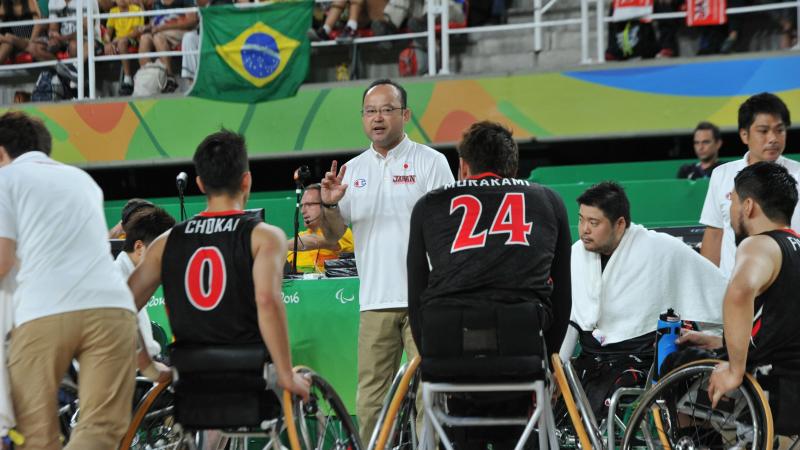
(260, 55)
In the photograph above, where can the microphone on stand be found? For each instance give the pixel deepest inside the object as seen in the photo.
(180, 182)
(302, 174)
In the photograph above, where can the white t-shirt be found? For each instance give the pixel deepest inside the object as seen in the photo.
(717, 206)
(54, 212)
(380, 196)
(126, 267)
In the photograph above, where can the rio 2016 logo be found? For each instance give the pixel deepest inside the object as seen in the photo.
(343, 299)
(293, 298)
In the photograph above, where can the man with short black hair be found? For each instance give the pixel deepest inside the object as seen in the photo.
(221, 269)
(707, 141)
(763, 120)
(141, 230)
(70, 301)
(382, 185)
(623, 277)
(760, 306)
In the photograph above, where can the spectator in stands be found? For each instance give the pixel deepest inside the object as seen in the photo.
(165, 33)
(133, 205)
(123, 32)
(707, 141)
(70, 300)
(144, 227)
(335, 10)
(24, 38)
(398, 13)
(313, 249)
(63, 36)
(623, 277)
(763, 119)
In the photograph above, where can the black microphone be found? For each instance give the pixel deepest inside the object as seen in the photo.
(181, 181)
(302, 174)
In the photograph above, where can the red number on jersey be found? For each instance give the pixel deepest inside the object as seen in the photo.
(510, 219)
(466, 237)
(206, 263)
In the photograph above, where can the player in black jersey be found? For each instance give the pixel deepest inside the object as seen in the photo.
(221, 270)
(490, 238)
(760, 308)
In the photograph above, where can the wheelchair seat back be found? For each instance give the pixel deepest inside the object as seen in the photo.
(484, 343)
(222, 386)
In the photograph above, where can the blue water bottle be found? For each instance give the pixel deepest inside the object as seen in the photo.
(667, 331)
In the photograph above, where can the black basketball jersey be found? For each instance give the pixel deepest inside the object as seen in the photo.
(775, 336)
(492, 239)
(207, 275)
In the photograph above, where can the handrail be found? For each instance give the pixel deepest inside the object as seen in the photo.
(435, 9)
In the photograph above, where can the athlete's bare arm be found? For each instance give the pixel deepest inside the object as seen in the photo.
(712, 244)
(758, 262)
(269, 253)
(8, 255)
(146, 278)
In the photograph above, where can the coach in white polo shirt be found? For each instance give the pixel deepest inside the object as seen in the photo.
(375, 192)
(70, 301)
(763, 119)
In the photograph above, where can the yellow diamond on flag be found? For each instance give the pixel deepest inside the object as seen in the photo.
(259, 54)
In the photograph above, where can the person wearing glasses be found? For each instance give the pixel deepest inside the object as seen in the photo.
(375, 193)
(312, 247)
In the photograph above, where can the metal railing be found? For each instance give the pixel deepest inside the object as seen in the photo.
(435, 9)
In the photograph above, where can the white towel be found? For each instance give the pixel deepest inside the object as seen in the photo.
(648, 273)
(7, 286)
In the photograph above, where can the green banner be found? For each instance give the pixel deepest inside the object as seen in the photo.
(253, 54)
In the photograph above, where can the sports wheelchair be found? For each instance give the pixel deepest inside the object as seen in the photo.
(232, 389)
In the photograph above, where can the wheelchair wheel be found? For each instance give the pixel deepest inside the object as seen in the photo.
(153, 426)
(398, 419)
(323, 422)
(569, 420)
(676, 413)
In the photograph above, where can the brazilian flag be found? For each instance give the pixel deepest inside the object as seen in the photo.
(253, 54)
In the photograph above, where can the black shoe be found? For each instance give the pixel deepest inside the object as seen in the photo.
(318, 35)
(383, 28)
(346, 36)
(125, 89)
(171, 85)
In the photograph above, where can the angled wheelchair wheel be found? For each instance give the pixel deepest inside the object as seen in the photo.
(397, 422)
(153, 426)
(321, 423)
(676, 414)
(570, 426)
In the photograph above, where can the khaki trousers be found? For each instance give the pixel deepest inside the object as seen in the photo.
(382, 336)
(104, 343)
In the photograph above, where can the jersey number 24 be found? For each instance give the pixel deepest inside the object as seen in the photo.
(508, 219)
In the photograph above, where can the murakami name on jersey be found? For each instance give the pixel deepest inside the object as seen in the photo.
(488, 182)
(211, 225)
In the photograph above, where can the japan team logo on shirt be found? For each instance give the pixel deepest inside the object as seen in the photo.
(359, 183)
(404, 179)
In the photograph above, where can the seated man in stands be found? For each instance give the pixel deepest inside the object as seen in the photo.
(63, 37)
(313, 249)
(488, 242)
(623, 277)
(760, 306)
(165, 33)
(26, 38)
(707, 141)
(123, 32)
(239, 301)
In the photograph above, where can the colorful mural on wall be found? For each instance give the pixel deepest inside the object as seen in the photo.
(592, 102)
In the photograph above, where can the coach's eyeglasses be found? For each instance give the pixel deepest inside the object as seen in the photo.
(384, 111)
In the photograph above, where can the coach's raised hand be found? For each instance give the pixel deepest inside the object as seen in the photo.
(332, 188)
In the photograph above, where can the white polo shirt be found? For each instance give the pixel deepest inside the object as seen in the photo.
(380, 196)
(54, 212)
(126, 267)
(717, 206)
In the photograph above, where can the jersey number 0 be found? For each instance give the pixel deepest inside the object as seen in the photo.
(205, 278)
(509, 219)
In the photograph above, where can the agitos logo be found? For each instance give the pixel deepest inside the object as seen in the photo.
(341, 297)
(404, 179)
